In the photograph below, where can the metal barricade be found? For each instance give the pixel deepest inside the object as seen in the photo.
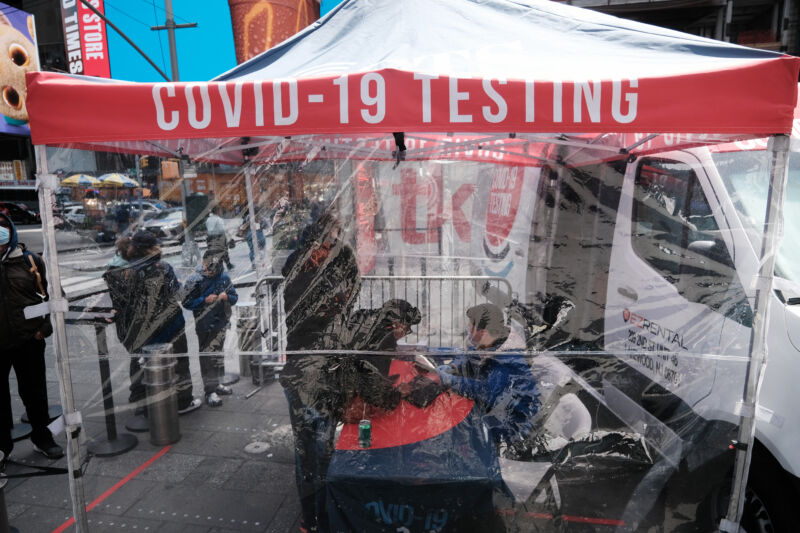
(268, 355)
(442, 301)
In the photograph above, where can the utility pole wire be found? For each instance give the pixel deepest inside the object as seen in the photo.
(130, 42)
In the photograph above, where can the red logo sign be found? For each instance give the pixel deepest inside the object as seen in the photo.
(504, 200)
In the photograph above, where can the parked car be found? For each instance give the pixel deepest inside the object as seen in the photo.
(149, 209)
(19, 215)
(75, 214)
(167, 224)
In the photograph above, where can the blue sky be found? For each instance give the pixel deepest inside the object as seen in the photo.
(203, 52)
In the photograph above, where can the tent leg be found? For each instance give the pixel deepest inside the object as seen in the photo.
(58, 307)
(249, 171)
(778, 150)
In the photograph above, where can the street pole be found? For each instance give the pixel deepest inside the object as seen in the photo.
(170, 26)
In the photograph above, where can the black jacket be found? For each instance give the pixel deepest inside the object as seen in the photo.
(149, 311)
(118, 281)
(18, 290)
(318, 289)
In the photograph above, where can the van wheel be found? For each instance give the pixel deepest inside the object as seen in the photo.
(767, 500)
(756, 517)
(766, 505)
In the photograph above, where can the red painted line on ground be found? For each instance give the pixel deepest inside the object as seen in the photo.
(599, 521)
(116, 487)
(580, 519)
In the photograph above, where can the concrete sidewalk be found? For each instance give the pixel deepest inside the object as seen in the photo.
(232, 469)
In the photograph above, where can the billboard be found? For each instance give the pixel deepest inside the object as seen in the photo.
(258, 25)
(85, 38)
(18, 35)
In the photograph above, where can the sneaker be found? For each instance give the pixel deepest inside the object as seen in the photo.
(194, 404)
(224, 390)
(49, 449)
(212, 400)
(231, 266)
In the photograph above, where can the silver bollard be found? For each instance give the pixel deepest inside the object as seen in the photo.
(162, 402)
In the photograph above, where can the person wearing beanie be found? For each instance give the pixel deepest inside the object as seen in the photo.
(152, 315)
(23, 284)
(495, 374)
(217, 236)
(209, 294)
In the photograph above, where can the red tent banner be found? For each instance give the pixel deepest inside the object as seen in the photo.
(65, 109)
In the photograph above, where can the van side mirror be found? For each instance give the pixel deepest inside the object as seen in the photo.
(712, 249)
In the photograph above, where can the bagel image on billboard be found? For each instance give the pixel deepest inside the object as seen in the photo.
(18, 40)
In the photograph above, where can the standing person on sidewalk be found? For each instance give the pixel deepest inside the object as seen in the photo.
(154, 315)
(117, 277)
(322, 282)
(217, 237)
(244, 232)
(209, 293)
(23, 284)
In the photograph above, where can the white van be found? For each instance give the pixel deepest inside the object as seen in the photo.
(656, 257)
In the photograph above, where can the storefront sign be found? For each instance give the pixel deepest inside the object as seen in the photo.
(14, 175)
(85, 38)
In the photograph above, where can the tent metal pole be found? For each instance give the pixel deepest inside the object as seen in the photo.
(249, 171)
(45, 183)
(778, 150)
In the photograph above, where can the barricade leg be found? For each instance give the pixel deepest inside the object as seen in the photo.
(4, 527)
(249, 335)
(115, 443)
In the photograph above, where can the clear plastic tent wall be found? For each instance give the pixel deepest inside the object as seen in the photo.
(536, 319)
(608, 395)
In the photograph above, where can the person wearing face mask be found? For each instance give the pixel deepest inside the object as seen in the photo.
(23, 284)
(495, 374)
(209, 294)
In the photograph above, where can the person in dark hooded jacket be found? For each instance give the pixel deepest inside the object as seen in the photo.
(117, 277)
(153, 315)
(321, 286)
(378, 330)
(365, 376)
(23, 284)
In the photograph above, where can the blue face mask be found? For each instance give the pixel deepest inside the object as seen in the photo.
(5, 235)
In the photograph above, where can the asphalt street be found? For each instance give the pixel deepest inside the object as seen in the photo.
(33, 237)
